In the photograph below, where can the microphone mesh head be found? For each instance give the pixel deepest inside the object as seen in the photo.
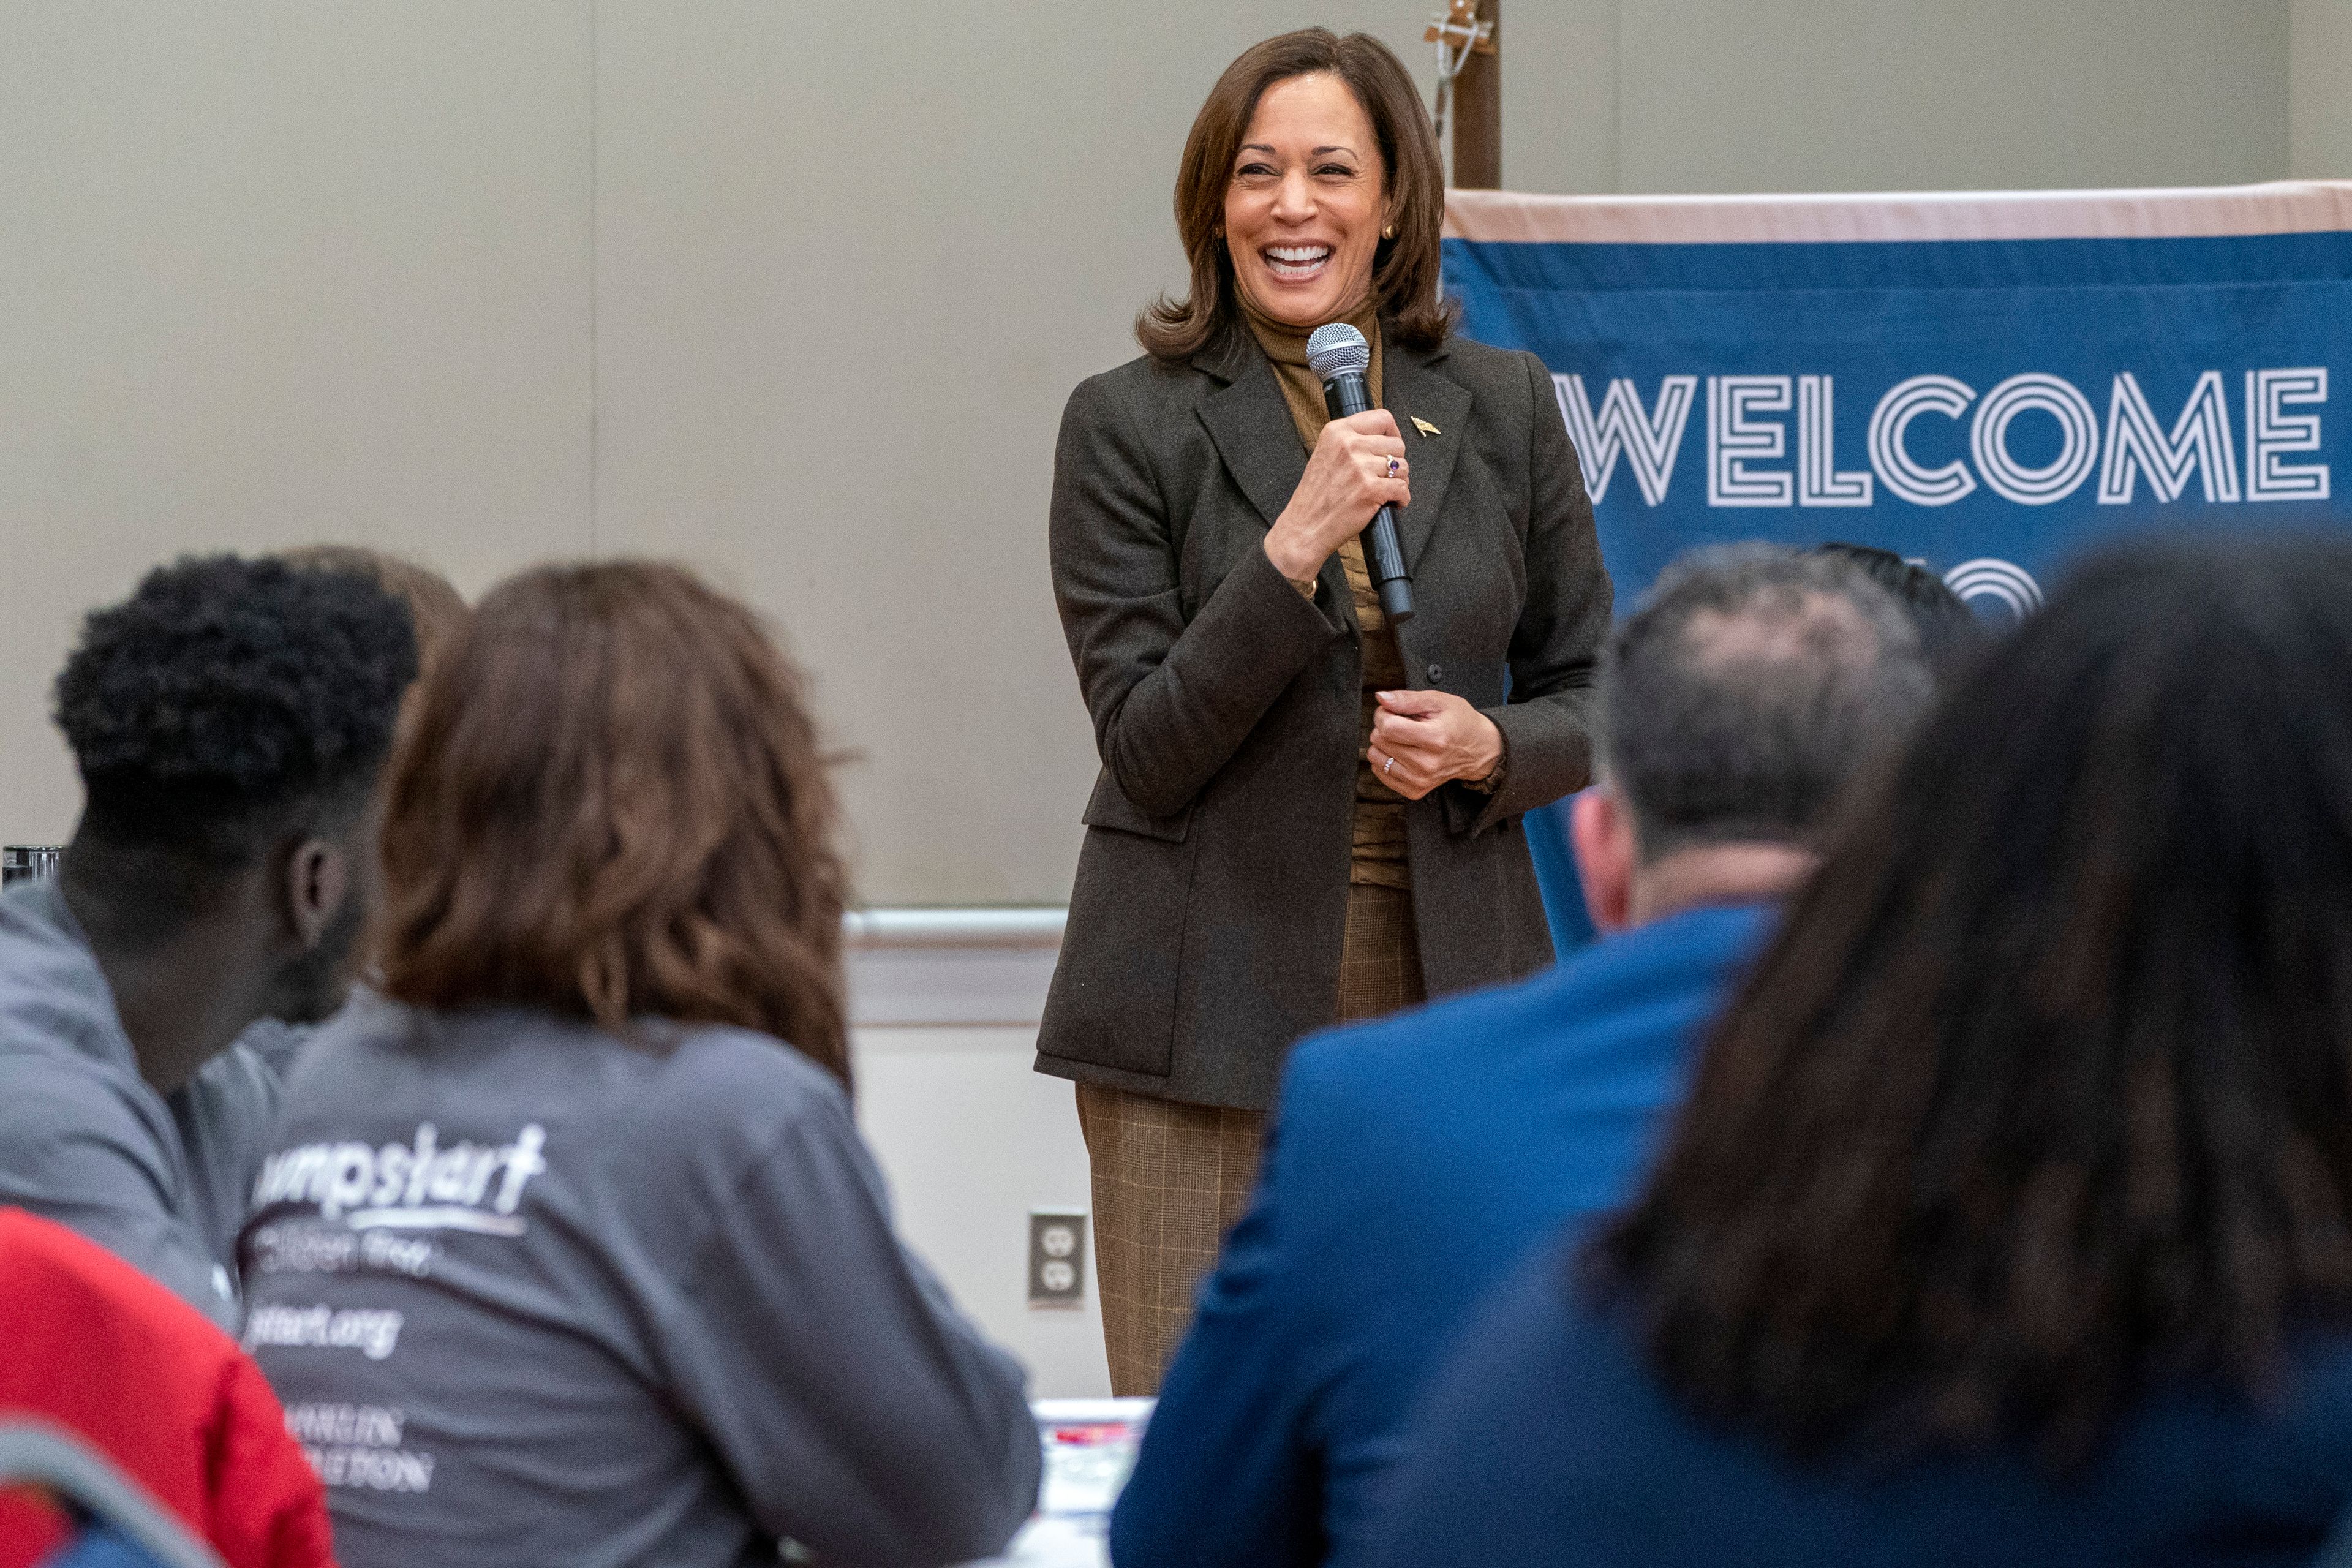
(1336, 348)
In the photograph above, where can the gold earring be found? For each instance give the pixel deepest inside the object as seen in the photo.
(1389, 232)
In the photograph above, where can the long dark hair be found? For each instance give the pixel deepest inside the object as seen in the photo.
(612, 803)
(1405, 268)
(2044, 1094)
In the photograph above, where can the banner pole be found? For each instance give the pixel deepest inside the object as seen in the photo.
(1477, 108)
(1468, 127)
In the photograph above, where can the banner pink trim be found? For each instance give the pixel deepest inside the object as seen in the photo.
(2282, 206)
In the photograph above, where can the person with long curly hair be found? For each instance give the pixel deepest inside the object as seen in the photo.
(569, 1249)
(2010, 1220)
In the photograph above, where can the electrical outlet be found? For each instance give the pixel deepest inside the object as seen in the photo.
(1057, 1257)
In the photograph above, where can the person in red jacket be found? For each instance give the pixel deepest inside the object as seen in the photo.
(97, 1347)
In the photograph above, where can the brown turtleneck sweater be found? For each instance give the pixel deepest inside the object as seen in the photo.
(1378, 860)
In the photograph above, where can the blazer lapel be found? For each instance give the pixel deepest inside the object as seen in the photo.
(1411, 389)
(1252, 427)
(1258, 442)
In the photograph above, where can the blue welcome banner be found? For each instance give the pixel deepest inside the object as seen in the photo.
(1991, 384)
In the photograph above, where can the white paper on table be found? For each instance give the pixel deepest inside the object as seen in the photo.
(1089, 1447)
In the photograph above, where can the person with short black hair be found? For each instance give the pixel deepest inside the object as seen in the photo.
(229, 721)
(1415, 1160)
(2009, 1219)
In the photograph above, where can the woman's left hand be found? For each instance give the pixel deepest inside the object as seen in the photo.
(1420, 739)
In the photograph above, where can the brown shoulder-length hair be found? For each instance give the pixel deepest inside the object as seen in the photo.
(612, 804)
(2043, 1099)
(1404, 270)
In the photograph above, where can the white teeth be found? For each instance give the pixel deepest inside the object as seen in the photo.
(1296, 262)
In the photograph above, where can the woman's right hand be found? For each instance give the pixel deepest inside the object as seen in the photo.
(1347, 479)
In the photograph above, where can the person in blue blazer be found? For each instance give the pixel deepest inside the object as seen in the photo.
(2008, 1222)
(1416, 1158)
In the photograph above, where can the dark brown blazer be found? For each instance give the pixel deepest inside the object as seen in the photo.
(1212, 892)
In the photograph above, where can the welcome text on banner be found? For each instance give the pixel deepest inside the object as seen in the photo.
(1991, 382)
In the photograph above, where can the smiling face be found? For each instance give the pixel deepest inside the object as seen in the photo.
(1307, 202)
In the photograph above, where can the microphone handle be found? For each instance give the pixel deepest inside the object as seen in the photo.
(1345, 394)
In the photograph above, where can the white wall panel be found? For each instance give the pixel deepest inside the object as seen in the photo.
(971, 1140)
(274, 272)
(1845, 95)
(2319, 91)
(851, 262)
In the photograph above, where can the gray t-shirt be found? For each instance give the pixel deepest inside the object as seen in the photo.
(532, 1294)
(85, 1140)
(276, 1042)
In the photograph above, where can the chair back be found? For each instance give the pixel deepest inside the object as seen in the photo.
(36, 1453)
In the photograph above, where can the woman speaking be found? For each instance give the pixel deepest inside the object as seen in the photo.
(1305, 814)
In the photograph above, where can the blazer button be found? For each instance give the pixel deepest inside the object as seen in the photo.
(1436, 673)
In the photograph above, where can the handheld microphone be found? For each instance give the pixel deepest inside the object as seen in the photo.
(1337, 354)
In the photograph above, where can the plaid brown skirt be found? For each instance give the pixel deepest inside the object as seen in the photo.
(1171, 1179)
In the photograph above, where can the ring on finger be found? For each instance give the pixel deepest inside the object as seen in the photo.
(1389, 767)
(1393, 466)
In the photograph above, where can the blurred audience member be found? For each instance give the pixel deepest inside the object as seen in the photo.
(435, 608)
(97, 1348)
(229, 721)
(573, 1225)
(1948, 630)
(2010, 1219)
(437, 613)
(1416, 1159)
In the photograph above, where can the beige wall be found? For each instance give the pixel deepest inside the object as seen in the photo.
(971, 1140)
(2320, 91)
(1733, 95)
(274, 272)
(798, 298)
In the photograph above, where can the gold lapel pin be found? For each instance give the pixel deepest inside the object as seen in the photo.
(1425, 426)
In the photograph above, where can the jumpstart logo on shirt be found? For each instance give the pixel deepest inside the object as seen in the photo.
(417, 1185)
